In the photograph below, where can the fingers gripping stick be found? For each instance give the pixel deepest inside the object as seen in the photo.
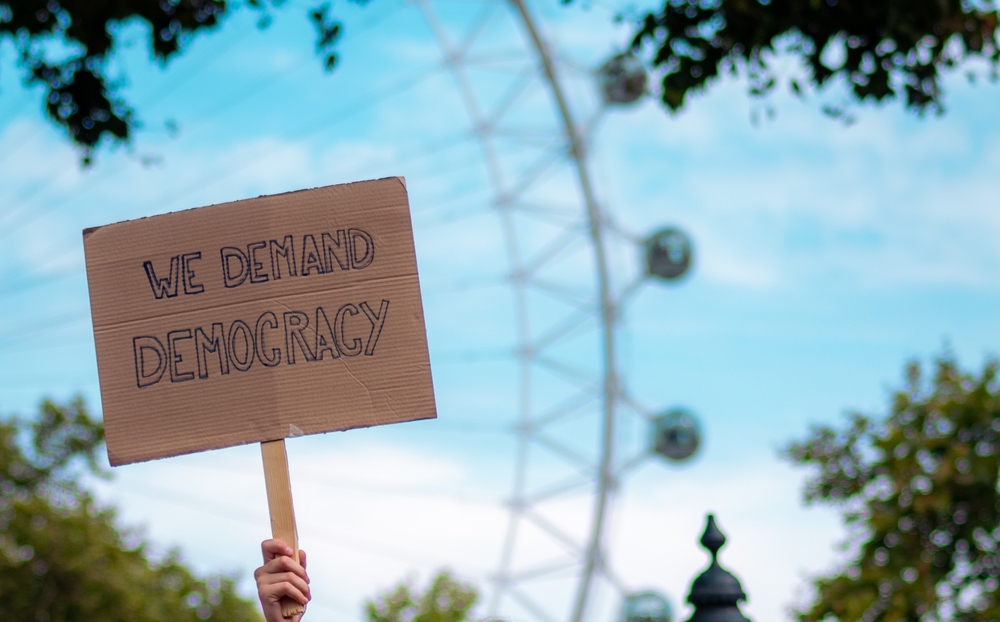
(279, 504)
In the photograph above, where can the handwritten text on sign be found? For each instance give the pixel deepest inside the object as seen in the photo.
(253, 320)
(191, 352)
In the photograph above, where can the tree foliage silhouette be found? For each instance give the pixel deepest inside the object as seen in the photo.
(65, 46)
(918, 491)
(446, 599)
(884, 48)
(879, 48)
(63, 557)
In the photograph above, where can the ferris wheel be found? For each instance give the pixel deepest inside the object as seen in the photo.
(571, 271)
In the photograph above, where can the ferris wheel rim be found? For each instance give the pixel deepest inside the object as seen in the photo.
(596, 220)
(597, 225)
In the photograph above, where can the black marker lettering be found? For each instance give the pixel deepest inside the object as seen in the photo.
(325, 341)
(295, 323)
(228, 254)
(377, 320)
(216, 345)
(336, 249)
(310, 256)
(355, 348)
(190, 287)
(141, 346)
(359, 261)
(267, 319)
(237, 328)
(256, 266)
(175, 357)
(164, 287)
(287, 250)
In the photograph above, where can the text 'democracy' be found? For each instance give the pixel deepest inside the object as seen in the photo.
(248, 321)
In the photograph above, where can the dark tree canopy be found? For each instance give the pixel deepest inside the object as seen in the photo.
(62, 556)
(65, 47)
(80, 96)
(918, 490)
(887, 47)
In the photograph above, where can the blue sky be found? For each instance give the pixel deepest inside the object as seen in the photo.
(827, 257)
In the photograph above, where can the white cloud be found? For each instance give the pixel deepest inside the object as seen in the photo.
(887, 202)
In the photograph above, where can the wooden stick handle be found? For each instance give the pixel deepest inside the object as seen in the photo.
(279, 504)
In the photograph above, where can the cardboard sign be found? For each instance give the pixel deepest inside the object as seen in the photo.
(256, 320)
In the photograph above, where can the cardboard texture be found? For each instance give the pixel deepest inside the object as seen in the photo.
(257, 320)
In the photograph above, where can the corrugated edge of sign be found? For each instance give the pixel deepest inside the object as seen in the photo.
(91, 230)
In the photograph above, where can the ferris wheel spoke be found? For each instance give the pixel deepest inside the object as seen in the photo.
(570, 327)
(546, 570)
(548, 214)
(535, 137)
(495, 60)
(575, 404)
(582, 379)
(554, 249)
(581, 414)
(641, 410)
(536, 170)
(567, 486)
(630, 290)
(585, 466)
(613, 579)
(554, 532)
(584, 304)
(511, 96)
(489, 10)
(632, 463)
(625, 234)
(589, 127)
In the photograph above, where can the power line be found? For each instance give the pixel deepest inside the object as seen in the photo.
(264, 85)
(44, 326)
(345, 113)
(247, 94)
(215, 177)
(41, 211)
(33, 281)
(425, 150)
(18, 144)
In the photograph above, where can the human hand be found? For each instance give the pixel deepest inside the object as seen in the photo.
(281, 576)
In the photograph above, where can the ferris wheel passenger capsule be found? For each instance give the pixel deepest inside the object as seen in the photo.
(676, 435)
(668, 254)
(623, 79)
(647, 607)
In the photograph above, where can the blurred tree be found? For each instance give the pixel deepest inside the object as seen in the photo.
(446, 600)
(918, 491)
(879, 48)
(62, 557)
(66, 45)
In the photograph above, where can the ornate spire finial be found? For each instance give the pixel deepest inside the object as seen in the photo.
(712, 539)
(716, 593)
